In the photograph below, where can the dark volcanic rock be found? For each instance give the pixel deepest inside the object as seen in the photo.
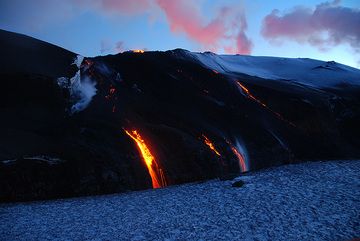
(176, 103)
(239, 183)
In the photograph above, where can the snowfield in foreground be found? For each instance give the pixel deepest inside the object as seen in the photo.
(310, 201)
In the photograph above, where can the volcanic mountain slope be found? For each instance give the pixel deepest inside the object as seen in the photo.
(77, 126)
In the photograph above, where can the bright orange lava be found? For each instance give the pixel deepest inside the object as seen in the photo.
(210, 145)
(250, 96)
(140, 51)
(240, 158)
(156, 173)
(247, 92)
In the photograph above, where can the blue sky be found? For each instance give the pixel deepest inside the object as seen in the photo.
(96, 27)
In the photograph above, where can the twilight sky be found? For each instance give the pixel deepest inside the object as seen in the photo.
(327, 30)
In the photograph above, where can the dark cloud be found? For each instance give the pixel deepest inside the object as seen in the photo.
(328, 25)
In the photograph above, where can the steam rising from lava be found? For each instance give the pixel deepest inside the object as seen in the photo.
(82, 92)
(81, 89)
(156, 173)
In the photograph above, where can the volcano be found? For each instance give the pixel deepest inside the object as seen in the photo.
(73, 126)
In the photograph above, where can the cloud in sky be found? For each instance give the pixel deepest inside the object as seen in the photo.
(106, 46)
(218, 26)
(225, 30)
(186, 17)
(328, 25)
(119, 46)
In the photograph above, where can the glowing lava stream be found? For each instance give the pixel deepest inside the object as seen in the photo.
(247, 92)
(139, 51)
(240, 156)
(156, 173)
(210, 145)
(250, 96)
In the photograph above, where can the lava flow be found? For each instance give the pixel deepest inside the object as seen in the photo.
(210, 145)
(250, 96)
(156, 173)
(239, 156)
(139, 51)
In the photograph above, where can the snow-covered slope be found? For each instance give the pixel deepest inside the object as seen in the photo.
(310, 72)
(310, 201)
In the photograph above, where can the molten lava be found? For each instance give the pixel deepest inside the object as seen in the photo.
(111, 94)
(250, 96)
(210, 145)
(139, 51)
(112, 90)
(156, 173)
(240, 158)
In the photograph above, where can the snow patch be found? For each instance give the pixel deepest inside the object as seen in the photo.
(48, 159)
(8, 161)
(44, 158)
(278, 139)
(310, 72)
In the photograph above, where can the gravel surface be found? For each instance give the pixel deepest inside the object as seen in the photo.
(309, 201)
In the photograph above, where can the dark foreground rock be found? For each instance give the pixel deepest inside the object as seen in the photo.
(239, 183)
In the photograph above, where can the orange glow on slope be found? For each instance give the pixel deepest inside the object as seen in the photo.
(250, 96)
(111, 94)
(140, 51)
(210, 145)
(156, 173)
(240, 158)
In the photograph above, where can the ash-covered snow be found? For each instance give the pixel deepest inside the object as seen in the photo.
(310, 72)
(310, 201)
